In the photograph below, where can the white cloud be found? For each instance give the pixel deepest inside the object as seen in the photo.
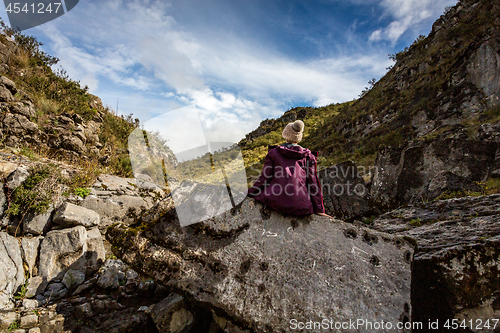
(234, 82)
(407, 14)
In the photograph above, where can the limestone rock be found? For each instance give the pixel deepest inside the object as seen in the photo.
(447, 181)
(112, 274)
(5, 94)
(456, 267)
(38, 224)
(19, 125)
(63, 249)
(11, 269)
(6, 168)
(8, 83)
(26, 109)
(403, 175)
(29, 321)
(113, 208)
(70, 215)
(265, 269)
(73, 143)
(36, 286)
(30, 304)
(73, 278)
(7, 318)
(55, 291)
(96, 254)
(29, 247)
(171, 315)
(115, 183)
(16, 178)
(85, 286)
(484, 71)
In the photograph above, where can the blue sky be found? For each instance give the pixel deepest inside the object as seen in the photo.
(237, 61)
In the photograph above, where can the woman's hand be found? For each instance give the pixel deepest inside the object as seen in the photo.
(326, 215)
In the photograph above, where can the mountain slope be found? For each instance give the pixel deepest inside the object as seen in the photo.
(443, 85)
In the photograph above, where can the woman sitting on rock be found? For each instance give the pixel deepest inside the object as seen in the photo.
(289, 180)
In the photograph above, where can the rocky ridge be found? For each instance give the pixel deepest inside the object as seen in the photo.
(57, 274)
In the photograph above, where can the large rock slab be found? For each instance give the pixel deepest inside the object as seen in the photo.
(117, 208)
(262, 270)
(70, 215)
(457, 264)
(11, 269)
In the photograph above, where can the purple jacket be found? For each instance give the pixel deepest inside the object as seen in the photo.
(289, 182)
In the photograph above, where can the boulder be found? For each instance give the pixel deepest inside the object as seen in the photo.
(345, 193)
(112, 274)
(73, 278)
(404, 174)
(36, 286)
(61, 250)
(5, 94)
(70, 215)
(17, 177)
(29, 320)
(9, 84)
(11, 269)
(18, 124)
(457, 262)
(172, 315)
(263, 270)
(38, 224)
(26, 109)
(73, 143)
(7, 318)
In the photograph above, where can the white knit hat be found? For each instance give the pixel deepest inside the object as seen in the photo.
(293, 131)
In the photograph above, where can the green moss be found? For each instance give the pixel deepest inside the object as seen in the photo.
(415, 222)
(14, 325)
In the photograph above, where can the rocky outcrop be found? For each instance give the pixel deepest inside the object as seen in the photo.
(68, 134)
(426, 169)
(118, 199)
(456, 264)
(259, 270)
